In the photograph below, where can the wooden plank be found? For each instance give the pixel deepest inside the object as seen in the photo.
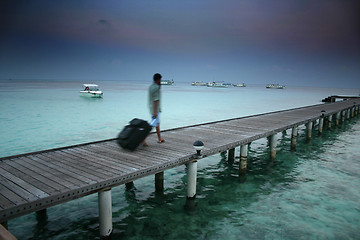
(28, 178)
(96, 162)
(64, 169)
(42, 170)
(112, 165)
(45, 180)
(56, 172)
(83, 171)
(23, 184)
(18, 190)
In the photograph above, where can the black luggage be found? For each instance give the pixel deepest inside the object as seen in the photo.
(133, 134)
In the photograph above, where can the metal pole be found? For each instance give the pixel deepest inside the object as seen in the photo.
(191, 179)
(273, 146)
(243, 159)
(105, 213)
(294, 134)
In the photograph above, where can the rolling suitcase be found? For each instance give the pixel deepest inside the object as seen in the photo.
(133, 134)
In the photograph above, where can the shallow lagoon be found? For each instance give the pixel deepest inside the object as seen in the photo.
(308, 194)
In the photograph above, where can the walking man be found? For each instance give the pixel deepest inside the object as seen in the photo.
(155, 105)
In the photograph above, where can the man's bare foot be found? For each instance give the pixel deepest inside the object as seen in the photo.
(161, 141)
(145, 144)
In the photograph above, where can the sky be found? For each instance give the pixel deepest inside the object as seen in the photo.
(290, 42)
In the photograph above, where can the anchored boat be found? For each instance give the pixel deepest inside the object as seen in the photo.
(218, 84)
(275, 86)
(91, 90)
(167, 82)
(239, 85)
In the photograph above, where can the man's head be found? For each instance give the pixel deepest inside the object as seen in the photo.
(157, 78)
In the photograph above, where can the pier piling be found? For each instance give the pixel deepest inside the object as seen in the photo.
(273, 143)
(243, 159)
(231, 154)
(191, 179)
(105, 213)
(308, 130)
(330, 117)
(159, 182)
(294, 134)
(337, 119)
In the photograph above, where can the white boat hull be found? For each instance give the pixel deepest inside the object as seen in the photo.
(91, 94)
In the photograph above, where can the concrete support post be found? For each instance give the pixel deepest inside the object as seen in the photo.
(308, 130)
(330, 117)
(105, 213)
(352, 111)
(231, 154)
(321, 124)
(337, 119)
(294, 134)
(347, 114)
(159, 182)
(243, 159)
(273, 143)
(129, 186)
(191, 179)
(342, 116)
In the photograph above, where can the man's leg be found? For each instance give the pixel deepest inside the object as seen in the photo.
(158, 134)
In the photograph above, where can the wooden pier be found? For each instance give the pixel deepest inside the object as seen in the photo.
(35, 181)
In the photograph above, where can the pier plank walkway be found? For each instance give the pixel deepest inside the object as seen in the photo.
(34, 181)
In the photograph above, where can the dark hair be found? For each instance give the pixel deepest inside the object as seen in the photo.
(157, 76)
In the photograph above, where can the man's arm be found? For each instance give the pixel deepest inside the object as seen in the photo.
(156, 103)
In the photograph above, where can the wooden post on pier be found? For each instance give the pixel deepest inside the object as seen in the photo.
(294, 134)
(129, 185)
(308, 130)
(273, 143)
(191, 179)
(243, 159)
(337, 119)
(159, 182)
(105, 213)
(231, 154)
(348, 113)
(329, 121)
(342, 116)
(321, 125)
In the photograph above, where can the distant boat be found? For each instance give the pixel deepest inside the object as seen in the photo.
(167, 82)
(218, 84)
(198, 84)
(91, 90)
(275, 86)
(239, 85)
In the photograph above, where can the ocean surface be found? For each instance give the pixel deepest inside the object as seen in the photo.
(312, 193)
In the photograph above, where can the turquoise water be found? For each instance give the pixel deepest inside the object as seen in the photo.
(308, 194)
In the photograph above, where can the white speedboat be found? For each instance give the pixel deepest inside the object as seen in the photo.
(91, 90)
(275, 86)
(218, 84)
(167, 82)
(239, 85)
(198, 84)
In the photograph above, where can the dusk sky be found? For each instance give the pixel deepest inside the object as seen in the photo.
(291, 42)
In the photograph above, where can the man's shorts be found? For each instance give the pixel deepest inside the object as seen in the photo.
(154, 122)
